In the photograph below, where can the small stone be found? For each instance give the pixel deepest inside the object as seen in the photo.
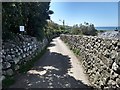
(12, 52)
(1, 60)
(25, 49)
(118, 44)
(28, 44)
(21, 50)
(50, 87)
(16, 60)
(2, 78)
(50, 83)
(115, 66)
(67, 85)
(20, 57)
(114, 54)
(6, 65)
(16, 50)
(9, 72)
(30, 47)
(12, 62)
(8, 57)
(19, 54)
(30, 52)
(13, 56)
(17, 67)
(11, 49)
(118, 81)
(24, 55)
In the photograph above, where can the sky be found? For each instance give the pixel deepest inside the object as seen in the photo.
(97, 13)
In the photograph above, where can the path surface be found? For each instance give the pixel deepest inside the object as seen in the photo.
(58, 68)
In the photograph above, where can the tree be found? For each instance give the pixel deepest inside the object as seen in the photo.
(32, 15)
(76, 30)
(87, 29)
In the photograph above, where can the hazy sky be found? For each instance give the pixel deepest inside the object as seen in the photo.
(98, 13)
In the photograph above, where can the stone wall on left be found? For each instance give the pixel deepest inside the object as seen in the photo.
(18, 52)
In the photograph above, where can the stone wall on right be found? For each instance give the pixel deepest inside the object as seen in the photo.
(100, 58)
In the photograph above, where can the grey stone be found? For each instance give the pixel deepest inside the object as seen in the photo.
(3, 72)
(118, 81)
(117, 61)
(16, 60)
(116, 48)
(30, 47)
(16, 50)
(13, 56)
(1, 60)
(21, 50)
(25, 49)
(28, 44)
(11, 49)
(0, 66)
(17, 67)
(20, 57)
(19, 54)
(115, 66)
(30, 52)
(2, 78)
(118, 44)
(8, 57)
(106, 53)
(35, 45)
(9, 72)
(24, 55)
(114, 54)
(12, 52)
(24, 45)
(6, 65)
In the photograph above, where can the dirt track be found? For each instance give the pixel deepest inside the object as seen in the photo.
(58, 68)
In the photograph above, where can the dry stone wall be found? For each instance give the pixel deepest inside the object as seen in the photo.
(100, 58)
(18, 53)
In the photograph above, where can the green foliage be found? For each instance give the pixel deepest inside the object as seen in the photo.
(54, 29)
(32, 15)
(76, 30)
(77, 51)
(84, 29)
(8, 81)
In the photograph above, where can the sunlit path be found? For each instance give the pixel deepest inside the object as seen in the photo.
(58, 68)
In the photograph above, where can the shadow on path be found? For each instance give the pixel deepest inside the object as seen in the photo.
(49, 72)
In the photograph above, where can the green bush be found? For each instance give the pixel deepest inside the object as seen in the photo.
(32, 15)
(84, 29)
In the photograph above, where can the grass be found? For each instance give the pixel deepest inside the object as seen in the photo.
(30, 63)
(9, 80)
(76, 51)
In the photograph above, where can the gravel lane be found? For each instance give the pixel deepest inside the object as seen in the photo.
(57, 68)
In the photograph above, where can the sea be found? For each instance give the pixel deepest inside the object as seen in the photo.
(106, 28)
(110, 32)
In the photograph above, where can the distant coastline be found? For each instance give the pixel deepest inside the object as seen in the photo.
(106, 28)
